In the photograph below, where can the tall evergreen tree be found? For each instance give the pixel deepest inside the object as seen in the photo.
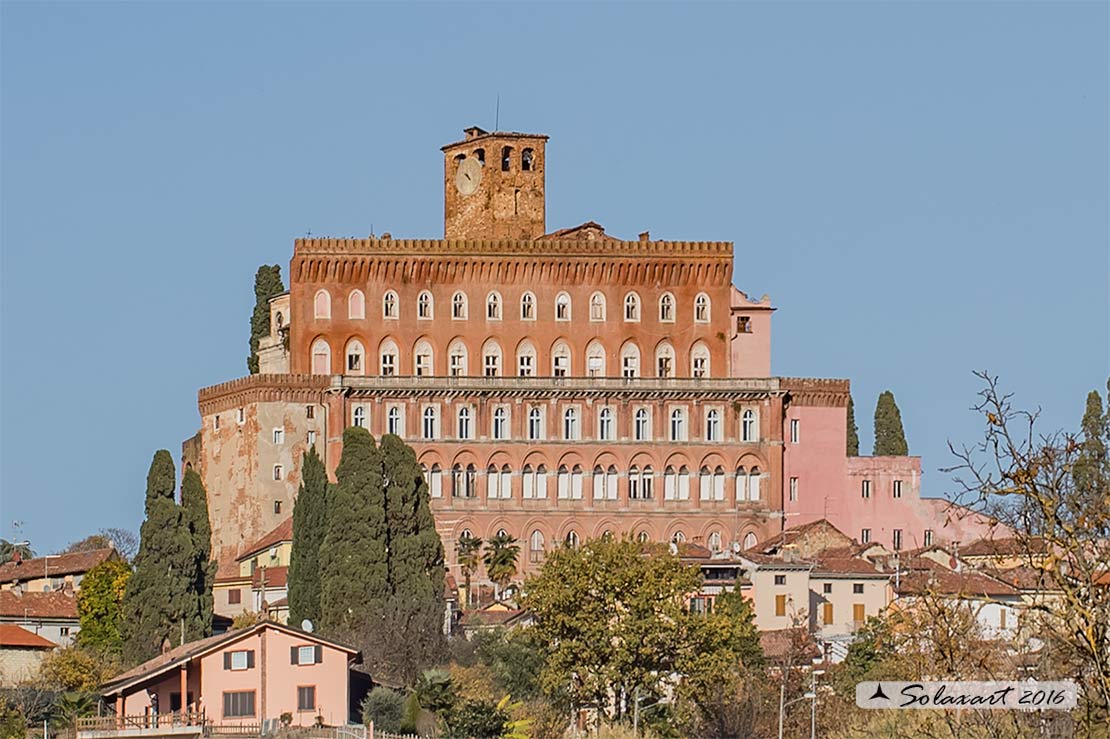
(354, 572)
(157, 596)
(890, 439)
(853, 430)
(194, 516)
(267, 284)
(310, 520)
(1092, 465)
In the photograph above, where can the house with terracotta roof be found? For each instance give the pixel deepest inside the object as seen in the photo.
(21, 654)
(240, 678)
(498, 615)
(51, 615)
(257, 582)
(996, 604)
(53, 572)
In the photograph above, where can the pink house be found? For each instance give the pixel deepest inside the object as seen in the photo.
(243, 676)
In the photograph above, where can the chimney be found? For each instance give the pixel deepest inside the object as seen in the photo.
(645, 237)
(17, 557)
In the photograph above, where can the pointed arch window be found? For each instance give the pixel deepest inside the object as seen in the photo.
(389, 305)
(701, 308)
(750, 541)
(562, 482)
(597, 307)
(741, 484)
(705, 484)
(458, 306)
(666, 308)
(424, 306)
(356, 305)
(572, 540)
(536, 546)
(435, 481)
(715, 541)
(753, 484)
(718, 483)
(527, 307)
(670, 483)
(699, 361)
(683, 483)
(321, 304)
(562, 307)
(631, 307)
(493, 306)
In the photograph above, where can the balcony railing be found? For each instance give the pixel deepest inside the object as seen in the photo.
(163, 723)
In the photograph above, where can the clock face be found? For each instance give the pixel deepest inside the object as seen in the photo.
(468, 176)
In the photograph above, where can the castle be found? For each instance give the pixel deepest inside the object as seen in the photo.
(557, 386)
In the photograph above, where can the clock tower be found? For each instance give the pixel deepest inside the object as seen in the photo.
(493, 186)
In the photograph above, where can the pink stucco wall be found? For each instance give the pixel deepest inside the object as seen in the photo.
(817, 461)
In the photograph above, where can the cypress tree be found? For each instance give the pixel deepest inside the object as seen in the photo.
(267, 284)
(354, 572)
(890, 439)
(310, 520)
(157, 594)
(194, 514)
(853, 430)
(1091, 471)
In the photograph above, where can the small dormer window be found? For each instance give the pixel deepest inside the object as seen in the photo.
(526, 157)
(506, 158)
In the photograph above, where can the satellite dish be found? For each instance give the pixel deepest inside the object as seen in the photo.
(306, 625)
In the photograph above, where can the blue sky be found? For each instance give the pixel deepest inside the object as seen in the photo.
(921, 188)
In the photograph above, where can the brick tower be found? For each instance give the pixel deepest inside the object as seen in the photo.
(493, 186)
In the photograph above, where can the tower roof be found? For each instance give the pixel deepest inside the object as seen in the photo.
(474, 133)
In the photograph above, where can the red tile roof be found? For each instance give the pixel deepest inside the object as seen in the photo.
(12, 635)
(283, 533)
(1005, 547)
(56, 565)
(276, 577)
(781, 642)
(56, 605)
(945, 582)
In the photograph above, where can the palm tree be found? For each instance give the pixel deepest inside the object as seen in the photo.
(500, 559)
(469, 548)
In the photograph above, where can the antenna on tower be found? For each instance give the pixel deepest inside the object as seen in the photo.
(497, 113)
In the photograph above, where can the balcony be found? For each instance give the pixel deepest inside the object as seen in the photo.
(176, 724)
(730, 389)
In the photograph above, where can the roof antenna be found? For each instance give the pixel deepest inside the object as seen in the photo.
(371, 230)
(497, 113)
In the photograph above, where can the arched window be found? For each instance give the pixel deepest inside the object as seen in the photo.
(666, 308)
(741, 484)
(462, 428)
(633, 483)
(572, 539)
(321, 305)
(670, 483)
(705, 484)
(424, 305)
(356, 362)
(430, 423)
(678, 425)
(641, 425)
(480, 155)
(701, 308)
(562, 307)
(359, 417)
(535, 424)
(321, 357)
(500, 423)
(599, 482)
(506, 158)
(560, 359)
(595, 360)
(528, 482)
(750, 541)
(389, 305)
(279, 320)
(491, 359)
(356, 305)
(664, 360)
(526, 359)
(642, 537)
(387, 353)
(605, 424)
(597, 307)
(611, 483)
(422, 359)
(493, 306)
(699, 361)
(458, 306)
(435, 481)
(535, 546)
(715, 541)
(471, 481)
(493, 483)
(570, 424)
(631, 307)
(718, 483)
(393, 422)
(753, 484)
(562, 482)
(712, 425)
(748, 430)
(630, 360)
(683, 483)
(527, 307)
(640, 483)
(526, 160)
(678, 538)
(456, 360)
(647, 483)
(576, 482)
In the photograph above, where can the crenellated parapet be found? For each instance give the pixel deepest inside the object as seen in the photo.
(817, 392)
(261, 388)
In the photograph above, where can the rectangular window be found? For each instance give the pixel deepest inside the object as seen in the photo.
(306, 698)
(928, 537)
(780, 605)
(865, 489)
(793, 488)
(241, 416)
(241, 660)
(389, 365)
(827, 613)
(216, 423)
(865, 536)
(311, 438)
(524, 364)
(239, 705)
(857, 588)
(279, 436)
(310, 411)
(277, 507)
(897, 491)
(277, 471)
(423, 365)
(700, 364)
(897, 541)
(561, 363)
(795, 430)
(493, 365)
(234, 597)
(826, 588)
(780, 579)
(306, 655)
(456, 368)
(743, 325)
(858, 615)
(664, 367)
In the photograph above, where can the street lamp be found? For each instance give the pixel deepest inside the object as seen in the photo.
(784, 703)
(813, 706)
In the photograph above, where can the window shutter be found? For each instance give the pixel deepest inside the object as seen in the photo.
(250, 660)
(319, 654)
(227, 660)
(292, 655)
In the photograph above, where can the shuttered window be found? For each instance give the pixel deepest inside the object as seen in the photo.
(306, 655)
(827, 615)
(241, 660)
